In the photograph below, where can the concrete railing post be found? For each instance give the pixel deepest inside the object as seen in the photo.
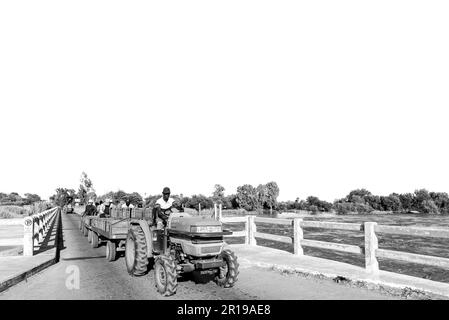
(44, 223)
(28, 236)
(298, 235)
(247, 230)
(35, 230)
(371, 245)
(251, 231)
(41, 228)
(215, 212)
(219, 212)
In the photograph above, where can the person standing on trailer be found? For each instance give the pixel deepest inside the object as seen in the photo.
(90, 210)
(105, 209)
(127, 204)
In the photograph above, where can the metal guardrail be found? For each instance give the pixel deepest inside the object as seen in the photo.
(370, 249)
(34, 229)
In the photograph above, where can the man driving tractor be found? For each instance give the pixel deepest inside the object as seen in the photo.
(162, 209)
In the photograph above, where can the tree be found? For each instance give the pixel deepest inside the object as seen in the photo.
(218, 194)
(272, 194)
(343, 207)
(429, 206)
(196, 200)
(61, 198)
(391, 203)
(86, 182)
(420, 200)
(407, 200)
(230, 202)
(314, 209)
(247, 197)
(441, 200)
(135, 198)
(85, 188)
(32, 198)
(357, 192)
(320, 205)
(374, 202)
(262, 195)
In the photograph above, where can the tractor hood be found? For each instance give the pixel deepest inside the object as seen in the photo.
(188, 223)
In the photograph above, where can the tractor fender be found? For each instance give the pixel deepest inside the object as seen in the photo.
(148, 236)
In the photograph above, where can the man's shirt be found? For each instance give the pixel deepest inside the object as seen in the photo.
(126, 207)
(165, 204)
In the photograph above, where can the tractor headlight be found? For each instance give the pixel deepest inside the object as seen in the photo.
(205, 229)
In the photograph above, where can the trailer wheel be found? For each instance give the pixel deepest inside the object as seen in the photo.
(227, 275)
(89, 236)
(165, 275)
(111, 251)
(94, 239)
(136, 251)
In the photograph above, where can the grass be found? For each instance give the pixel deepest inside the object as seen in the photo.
(11, 211)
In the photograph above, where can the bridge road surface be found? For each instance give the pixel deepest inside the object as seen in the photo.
(100, 279)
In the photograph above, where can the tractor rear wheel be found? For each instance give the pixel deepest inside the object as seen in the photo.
(81, 224)
(111, 251)
(165, 275)
(94, 240)
(136, 251)
(227, 276)
(89, 236)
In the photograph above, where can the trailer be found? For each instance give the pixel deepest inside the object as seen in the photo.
(113, 229)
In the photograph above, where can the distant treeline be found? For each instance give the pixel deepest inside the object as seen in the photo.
(362, 201)
(14, 199)
(264, 196)
(359, 201)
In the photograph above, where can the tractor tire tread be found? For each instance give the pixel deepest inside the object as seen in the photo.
(141, 259)
(233, 270)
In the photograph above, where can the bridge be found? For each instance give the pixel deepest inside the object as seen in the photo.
(54, 254)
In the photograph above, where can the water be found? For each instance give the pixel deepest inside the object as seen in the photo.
(421, 245)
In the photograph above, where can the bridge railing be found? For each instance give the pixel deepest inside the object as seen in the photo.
(34, 229)
(370, 248)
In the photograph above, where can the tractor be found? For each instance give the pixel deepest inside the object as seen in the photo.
(187, 245)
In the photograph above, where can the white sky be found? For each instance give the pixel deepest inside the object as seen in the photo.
(320, 96)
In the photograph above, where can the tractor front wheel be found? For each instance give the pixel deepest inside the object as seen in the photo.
(227, 276)
(136, 251)
(165, 275)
